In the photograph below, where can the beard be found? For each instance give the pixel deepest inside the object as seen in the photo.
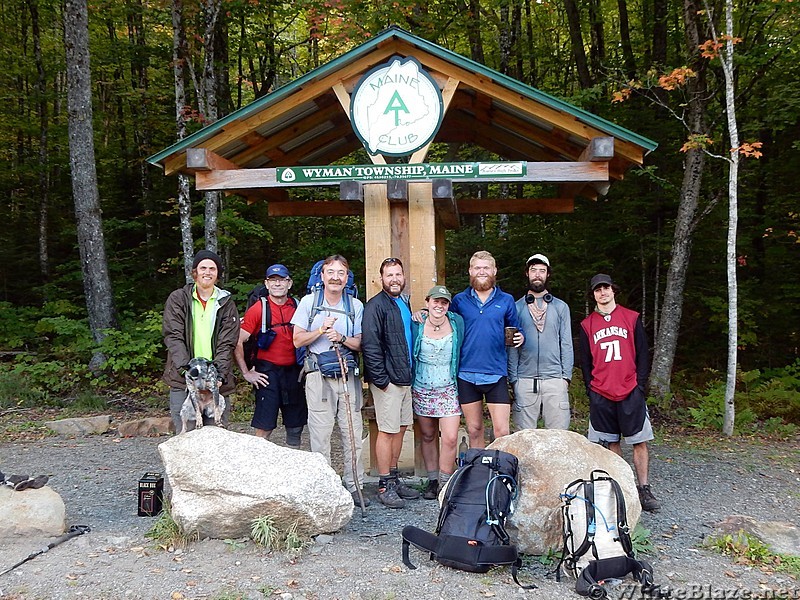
(482, 285)
(537, 285)
(388, 290)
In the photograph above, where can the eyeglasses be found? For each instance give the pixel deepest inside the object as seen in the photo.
(392, 261)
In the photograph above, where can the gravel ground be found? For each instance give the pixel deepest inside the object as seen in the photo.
(698, 481)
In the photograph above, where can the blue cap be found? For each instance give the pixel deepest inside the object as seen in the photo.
(278, 271)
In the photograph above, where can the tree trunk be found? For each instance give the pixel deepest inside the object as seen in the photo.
(576, 40)
(597, 50)
(625, 40)
(660, 11)
(96, 282)
(44, 169)
(211, 17)
(686, 220)
(474, 32)
(180, 53)
(726, 57)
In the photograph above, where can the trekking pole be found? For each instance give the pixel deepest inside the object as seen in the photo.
(353, 460)
(74, 531)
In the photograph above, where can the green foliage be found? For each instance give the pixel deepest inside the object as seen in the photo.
(748, 549)
(134, 348)
(87, 402)
(767, 402)
(264, 532)
(17, 392)
(640, 538)
(166, 532)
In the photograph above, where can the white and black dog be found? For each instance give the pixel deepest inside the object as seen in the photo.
(202, 394)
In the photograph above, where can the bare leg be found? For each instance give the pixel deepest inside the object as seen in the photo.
(615, 447)
(429, 427)
(447, 456)
(500, 413)
(264, 433)
(641, 462)
(397, 446)
(473, 415)
(384, 445)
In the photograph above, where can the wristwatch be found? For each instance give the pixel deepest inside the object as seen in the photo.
(343, 340)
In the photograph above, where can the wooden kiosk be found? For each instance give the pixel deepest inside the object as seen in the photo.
(395, 95)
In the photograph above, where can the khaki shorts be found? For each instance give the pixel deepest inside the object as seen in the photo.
(393, 407)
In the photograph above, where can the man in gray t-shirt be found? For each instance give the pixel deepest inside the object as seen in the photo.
(326, 396)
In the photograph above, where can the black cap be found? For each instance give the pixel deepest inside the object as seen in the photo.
(600, 279)
(202, 255)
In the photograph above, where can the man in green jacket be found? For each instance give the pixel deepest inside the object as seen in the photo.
(200, 320)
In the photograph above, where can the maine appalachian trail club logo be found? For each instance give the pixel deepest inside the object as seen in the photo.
(396, 108)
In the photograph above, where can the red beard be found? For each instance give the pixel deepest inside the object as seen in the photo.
(483, 285)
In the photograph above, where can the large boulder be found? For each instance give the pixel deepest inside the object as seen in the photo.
(222, 481)
(40, 512)
(550, 459)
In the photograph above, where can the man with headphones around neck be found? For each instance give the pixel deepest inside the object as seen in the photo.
(540, 370)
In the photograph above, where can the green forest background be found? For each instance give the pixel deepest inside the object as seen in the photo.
(583, 51)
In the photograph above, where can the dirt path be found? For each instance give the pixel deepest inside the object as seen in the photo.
(697, 483)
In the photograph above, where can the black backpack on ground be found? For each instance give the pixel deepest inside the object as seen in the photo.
(597, 541)
(470, 534)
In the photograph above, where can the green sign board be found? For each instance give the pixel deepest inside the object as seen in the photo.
(423, 171)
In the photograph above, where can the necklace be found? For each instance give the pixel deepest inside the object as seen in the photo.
(435, 326)
(606, 315)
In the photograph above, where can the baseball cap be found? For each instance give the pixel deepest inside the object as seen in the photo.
(278, 271)
(537, 258)
(600, 279)
(439, 291)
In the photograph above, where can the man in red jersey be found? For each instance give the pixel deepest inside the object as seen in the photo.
(615, 364)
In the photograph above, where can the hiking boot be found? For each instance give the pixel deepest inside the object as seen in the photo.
(404, 491)
(388, 495)
(357, 501)
(647, 500)
(432, 491)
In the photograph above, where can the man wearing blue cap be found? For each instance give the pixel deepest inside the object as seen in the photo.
(275, 371)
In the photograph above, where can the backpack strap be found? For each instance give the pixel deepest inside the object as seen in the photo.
(590, 581)
(317, 307)
(266, 315)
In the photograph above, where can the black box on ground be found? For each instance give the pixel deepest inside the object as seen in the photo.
(151, 494)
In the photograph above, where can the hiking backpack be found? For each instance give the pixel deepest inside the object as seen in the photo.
(597, 541)
(264, 336)
(470, 533)
(316, 288)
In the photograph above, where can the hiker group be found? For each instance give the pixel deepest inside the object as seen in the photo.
(438, 362)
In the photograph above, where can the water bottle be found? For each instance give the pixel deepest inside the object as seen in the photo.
(462, 451)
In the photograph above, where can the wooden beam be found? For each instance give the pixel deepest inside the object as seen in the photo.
(599, 149)
(466, 206)
(515, 206)
(447, 96)
(551, 172)
(422, 272)
(344, 101)
(377, 234)
(325, 208)
(445, 204)
(201, 159)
